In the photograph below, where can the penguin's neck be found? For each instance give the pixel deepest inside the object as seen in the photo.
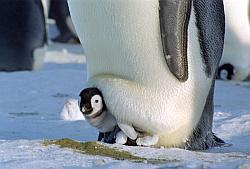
(103, 121)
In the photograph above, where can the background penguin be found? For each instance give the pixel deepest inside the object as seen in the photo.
(155, 63)
(237, 38)
(226, 72)
(59, 11)
(22, 34)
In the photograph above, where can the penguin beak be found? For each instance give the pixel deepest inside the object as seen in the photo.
(87, 109)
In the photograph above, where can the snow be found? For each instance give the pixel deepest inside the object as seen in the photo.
(32, 104)
(71, 111)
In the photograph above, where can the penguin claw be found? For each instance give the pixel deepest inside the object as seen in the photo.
(219, 142)
(121, 138)
(128, 130)
(147, 141)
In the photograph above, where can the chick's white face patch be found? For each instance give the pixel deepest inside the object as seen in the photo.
(223, 74)
(96, 103)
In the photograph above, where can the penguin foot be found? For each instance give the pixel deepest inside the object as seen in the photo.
(128, 130)
(202, 143)
(219, 142)
(66, 37)
(147, 141)
(121, 138)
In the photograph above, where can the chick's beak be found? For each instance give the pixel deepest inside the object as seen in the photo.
(87, 109)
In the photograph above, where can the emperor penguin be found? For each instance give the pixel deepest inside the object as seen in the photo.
(155, 63)
(237, 41)
(59, 11)
(22, 35)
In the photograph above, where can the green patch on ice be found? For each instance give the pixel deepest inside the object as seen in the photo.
(95, 148)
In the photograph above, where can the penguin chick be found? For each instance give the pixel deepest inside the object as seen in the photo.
(94, 110)
(226, 72)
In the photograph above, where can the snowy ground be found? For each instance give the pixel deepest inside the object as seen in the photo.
(31, 103)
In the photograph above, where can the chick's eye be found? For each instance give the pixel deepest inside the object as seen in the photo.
(96, 101)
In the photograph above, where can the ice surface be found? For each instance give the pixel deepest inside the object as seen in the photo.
(31, 103)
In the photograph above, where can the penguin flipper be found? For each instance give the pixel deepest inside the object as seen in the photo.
(210, 21)
(174, 19)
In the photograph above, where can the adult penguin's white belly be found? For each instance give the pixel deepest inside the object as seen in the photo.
(125, 60)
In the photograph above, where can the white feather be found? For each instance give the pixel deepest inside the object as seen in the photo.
(96, 103)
